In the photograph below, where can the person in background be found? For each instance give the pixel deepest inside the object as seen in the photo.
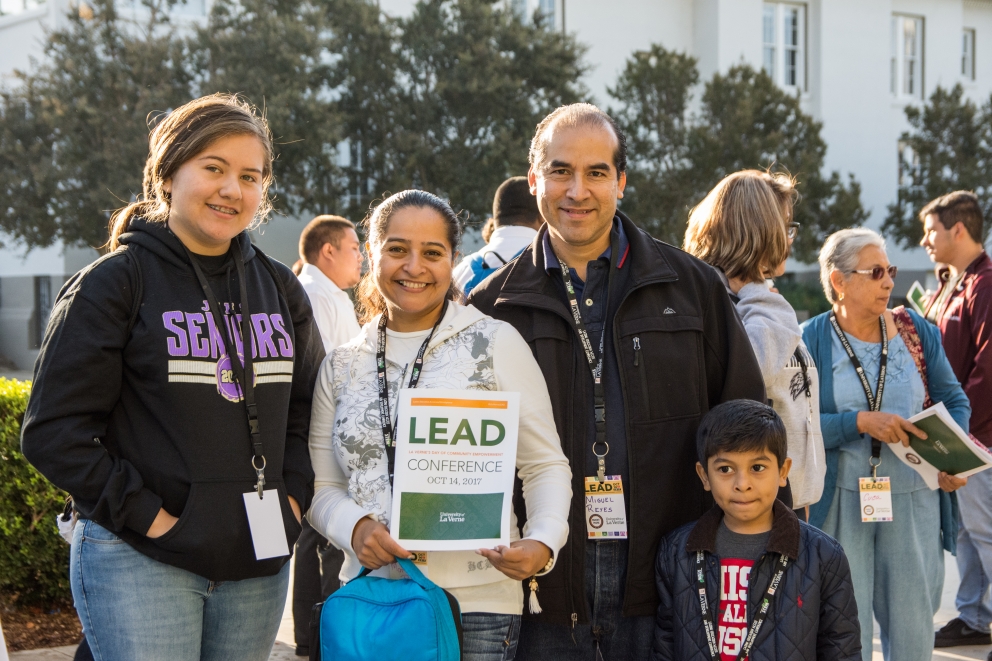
(331, 259)
(740, 546)
(332, 262)
(488, 228)
(515, 223)
(962, 309)
(598, 298)
(744, 228)
(409, 316)
(174, 380)
(897, 565)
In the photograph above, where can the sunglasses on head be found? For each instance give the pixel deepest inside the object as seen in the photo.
(878, 272)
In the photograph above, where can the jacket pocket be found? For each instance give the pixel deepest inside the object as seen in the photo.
(662, 357)
(213, 530)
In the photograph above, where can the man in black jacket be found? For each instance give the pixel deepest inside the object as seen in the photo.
(656, 329)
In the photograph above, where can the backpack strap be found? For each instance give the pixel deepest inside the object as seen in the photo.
(139, 288)
(910, 336)
(491, 252)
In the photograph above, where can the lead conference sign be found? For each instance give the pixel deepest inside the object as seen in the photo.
(455, 457)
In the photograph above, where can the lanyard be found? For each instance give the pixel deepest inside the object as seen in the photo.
(874, 401)
(759, 617)
(595, 365)
(380, 366)
(246, 385)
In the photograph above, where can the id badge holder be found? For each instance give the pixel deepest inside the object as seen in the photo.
(606, 515)
(876, 499)
(268, 534)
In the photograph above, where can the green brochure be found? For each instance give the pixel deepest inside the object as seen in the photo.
(917, 297)
(947, 448)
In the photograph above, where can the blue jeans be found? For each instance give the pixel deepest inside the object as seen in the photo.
(489, 636)
(609, 635)
(974, 601)
(135, 608)
(897, 568)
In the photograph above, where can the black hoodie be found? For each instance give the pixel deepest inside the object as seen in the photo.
(130, 422)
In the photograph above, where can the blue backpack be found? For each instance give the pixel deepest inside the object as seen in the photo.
(480, 269)
(374, 618)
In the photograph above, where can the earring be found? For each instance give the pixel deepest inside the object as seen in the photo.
(841, 297)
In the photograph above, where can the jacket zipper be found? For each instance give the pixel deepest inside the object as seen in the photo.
(642, 372)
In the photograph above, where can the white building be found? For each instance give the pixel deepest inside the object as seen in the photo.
(855, 64)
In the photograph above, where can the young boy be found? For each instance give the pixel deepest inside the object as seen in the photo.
(773, 588)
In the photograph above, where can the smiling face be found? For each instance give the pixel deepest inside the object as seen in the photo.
(745, 485)
(862, 295)
(216, 194)
(411, 267)
(576, 184)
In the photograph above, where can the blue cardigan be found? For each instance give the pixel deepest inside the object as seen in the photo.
(840, 428)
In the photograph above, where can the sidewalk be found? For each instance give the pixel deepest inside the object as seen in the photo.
(284, 648)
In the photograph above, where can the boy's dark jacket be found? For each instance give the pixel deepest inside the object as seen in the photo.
(813, 615)
(689, 362)
(131, 422)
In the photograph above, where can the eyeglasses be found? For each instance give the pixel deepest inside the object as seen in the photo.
(878, 272)
(792, 229)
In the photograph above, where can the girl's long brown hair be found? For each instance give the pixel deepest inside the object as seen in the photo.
(184, 133)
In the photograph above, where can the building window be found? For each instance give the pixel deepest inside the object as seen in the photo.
(17, 6)
(784, 42)
(42, 307)
(547, 8)
(906, 73)
(968, 54)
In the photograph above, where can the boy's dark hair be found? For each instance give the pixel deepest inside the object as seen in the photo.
(741, 425)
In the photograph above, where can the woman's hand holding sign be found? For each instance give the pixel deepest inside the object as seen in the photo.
(520, 560)
(374, 546)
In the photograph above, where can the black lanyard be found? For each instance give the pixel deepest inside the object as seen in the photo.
(759, 617)
(595, 365)
(874, 401)
(380, 366)
(246, 385)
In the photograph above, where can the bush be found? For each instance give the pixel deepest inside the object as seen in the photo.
(34, 560)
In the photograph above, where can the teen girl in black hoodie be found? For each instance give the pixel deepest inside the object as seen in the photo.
(140, 413)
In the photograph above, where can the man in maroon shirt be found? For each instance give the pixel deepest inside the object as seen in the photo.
(962, 308)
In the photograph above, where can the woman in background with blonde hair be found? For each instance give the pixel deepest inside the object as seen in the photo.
(744, 228)
(172, 398)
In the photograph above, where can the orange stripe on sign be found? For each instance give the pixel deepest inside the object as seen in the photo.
(460, 403)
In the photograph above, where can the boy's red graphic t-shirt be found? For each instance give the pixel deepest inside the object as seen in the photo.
(733, 616)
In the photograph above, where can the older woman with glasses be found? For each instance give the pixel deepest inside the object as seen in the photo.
(897, 565)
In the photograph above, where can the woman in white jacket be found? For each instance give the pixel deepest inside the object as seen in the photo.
(412, 242)
(744, 228)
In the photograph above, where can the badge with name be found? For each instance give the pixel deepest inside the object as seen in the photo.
(268, 533)
(876, 499)
(606, 517)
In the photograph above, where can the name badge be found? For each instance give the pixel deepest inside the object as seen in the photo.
(268, 533)
(606, 517)
(876, 499)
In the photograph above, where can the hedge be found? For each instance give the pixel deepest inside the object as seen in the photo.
(34, 559)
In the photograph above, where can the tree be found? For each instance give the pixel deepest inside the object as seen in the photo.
(470, 81)
(948, 148)
(744, 121)
(74, 132)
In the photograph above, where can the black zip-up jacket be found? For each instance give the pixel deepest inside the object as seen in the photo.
(694, 354)
(813, 616)
(130, 410)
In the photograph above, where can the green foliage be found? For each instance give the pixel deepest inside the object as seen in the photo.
(34, 559)
(460, 86)
(948, 148)
(744, 121)
(74, 134)
(803, 295)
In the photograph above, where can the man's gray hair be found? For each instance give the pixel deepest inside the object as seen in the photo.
(841, 251)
